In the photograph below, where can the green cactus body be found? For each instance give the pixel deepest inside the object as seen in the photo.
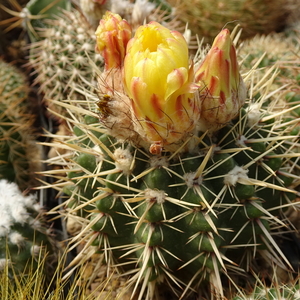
(25, 15)
(23, 233)
(273, 292)
(45, 9)
(18, 149)
(183, 217)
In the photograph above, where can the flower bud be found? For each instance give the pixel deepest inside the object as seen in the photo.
(160, 83)
(112, 34)
(222, 90)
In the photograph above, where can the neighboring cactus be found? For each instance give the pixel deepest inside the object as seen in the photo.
(19, 153)
(280, 51)
(135, 12)
(265, 293)
(185, 212)
(62, 60)
(207, 18)
(32, 15)
(274, 49)
(37, 12)
(23, 233)
(33, 283)
(275, 291)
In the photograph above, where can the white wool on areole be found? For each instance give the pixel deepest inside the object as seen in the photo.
(14, 206)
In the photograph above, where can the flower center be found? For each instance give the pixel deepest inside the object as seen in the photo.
(151, 39)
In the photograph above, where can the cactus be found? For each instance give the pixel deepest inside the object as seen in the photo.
(262, 291)
(19, 153)
(39, 11)
(23, 233)
(274, 49)
(185, 213)
(256, 17)
(32, 284)
(159, 214)
(62, 59)
(32, 15)
(280, 51)
(135, 12)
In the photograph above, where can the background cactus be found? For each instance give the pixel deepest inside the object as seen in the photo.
(29, 15)
(32, 284)
(62, 59)
(256, 17)
(24, 235)
(277, 49)
(274, 291)
(186, 217)
(280, 51)
(19, 153)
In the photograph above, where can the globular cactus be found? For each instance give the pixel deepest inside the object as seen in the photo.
(62, 59)
(263, 291)
(19, 152)
(256, 17)
(264, 51)
(183, 216)
(170, 199)
(29, 14)
(24, 236)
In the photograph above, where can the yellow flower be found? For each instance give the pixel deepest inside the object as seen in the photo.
(160, 83)
(112, 35)
(222, 90)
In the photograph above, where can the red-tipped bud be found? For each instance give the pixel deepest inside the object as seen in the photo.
(113, 34)
(222, 89)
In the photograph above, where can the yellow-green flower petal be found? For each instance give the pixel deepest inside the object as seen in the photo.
(160, 83)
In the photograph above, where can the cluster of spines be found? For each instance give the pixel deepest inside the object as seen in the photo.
(185, 215)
